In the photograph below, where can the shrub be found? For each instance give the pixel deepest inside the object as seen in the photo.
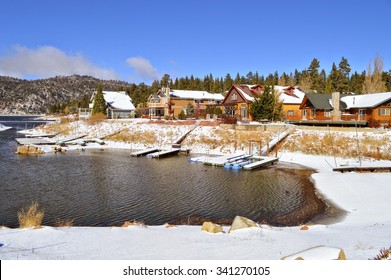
(385, 254)
(30, 216)
(95, 118)
(64, 223)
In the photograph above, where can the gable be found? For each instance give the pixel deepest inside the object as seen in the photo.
(234, 96)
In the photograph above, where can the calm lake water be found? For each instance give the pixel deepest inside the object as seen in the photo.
(105, 188)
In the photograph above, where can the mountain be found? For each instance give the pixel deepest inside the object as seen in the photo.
(36, 96)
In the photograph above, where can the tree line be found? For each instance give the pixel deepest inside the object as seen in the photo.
(312, 79)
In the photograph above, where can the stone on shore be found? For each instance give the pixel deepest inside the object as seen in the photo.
(242, 222)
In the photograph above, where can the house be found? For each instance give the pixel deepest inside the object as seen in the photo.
(119, 104)
(291, 98)
(238, 99)
(171, 102)
(347, 109)
(375, 108)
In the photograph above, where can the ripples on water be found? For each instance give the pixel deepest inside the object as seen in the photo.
(104, 188)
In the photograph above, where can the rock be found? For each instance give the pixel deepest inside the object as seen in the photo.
(242, 222)
(318, 253)
(304, 227)
(27, 149)
(22, 150)
(211, 227)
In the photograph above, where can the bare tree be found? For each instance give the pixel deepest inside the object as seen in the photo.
(373, 79)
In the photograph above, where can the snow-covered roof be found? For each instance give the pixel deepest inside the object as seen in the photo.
(245, 95)
(295, 98)
(366, 100)
(195, 94)
(118, 100)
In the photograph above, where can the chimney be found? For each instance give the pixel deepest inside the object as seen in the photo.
(335, 113)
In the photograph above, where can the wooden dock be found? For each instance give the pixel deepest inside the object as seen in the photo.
(343, 169)
(260, 162)
(34, 141)
(144, 152)
(220, 161)
(164, 153)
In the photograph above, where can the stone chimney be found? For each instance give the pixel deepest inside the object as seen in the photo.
(335, 113)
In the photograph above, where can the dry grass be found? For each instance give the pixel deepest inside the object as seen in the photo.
(142, 137)
(133, 223)
(339, 144)
(64, 223)
(96, 118)
(30, 216)
(385, 254)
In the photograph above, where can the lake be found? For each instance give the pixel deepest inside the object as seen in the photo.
(108, 187)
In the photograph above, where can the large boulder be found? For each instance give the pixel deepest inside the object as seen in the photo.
(318, 253)
(211, 227)
(241, 222)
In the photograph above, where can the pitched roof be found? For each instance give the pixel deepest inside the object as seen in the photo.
(118, 100)
(290, 94)
(195, 94)
(322, 101)
(248, 92)
(366, 100)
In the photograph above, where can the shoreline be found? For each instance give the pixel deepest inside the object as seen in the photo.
(361, 232)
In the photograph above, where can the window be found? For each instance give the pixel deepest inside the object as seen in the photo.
(291, 113)
(313, 113)
(327, 113)
(384, 111)
(234, 97)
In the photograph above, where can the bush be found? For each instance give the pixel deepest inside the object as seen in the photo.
(64, 223)
(95, 118)
(182, 115)
(30, 216)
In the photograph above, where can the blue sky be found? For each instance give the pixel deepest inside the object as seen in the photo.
(140, 40)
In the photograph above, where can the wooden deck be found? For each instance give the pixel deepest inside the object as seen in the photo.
(144, 152)
(164, 153)
(261, 162)
(343, 169)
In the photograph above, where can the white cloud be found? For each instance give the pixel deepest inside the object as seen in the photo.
(143, 68)
(48, 61)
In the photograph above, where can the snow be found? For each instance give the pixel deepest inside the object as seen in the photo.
(195, 94)
(3, 127)
(118, 100)
(289, 99)
(361, 233)
(245, 95)
(366, 100)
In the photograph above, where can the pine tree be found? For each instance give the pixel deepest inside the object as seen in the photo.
(386, 77)
(228, 82)
(344, 68)
(356, 82)
(313, 74)
(100, 105)
(336, 79)
(267, 106)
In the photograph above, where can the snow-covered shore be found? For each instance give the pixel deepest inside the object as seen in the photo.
(363, 231)
(361, 234)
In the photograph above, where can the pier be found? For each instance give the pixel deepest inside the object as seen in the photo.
(164, 153)
(260, 162)
(343, 169)
(144, 152)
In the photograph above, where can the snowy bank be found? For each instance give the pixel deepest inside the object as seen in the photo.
(361, 234)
